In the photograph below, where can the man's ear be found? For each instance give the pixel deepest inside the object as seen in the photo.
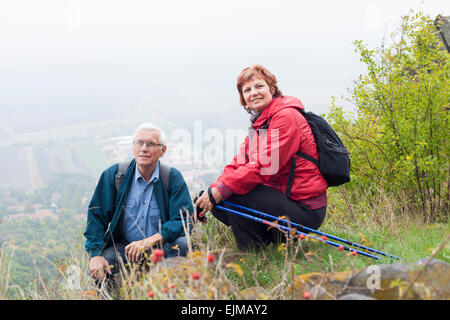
(163, 149)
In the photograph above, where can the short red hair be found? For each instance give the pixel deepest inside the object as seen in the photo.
(257, 71)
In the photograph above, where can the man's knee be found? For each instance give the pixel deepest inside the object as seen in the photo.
(115, 254)
(176, 248)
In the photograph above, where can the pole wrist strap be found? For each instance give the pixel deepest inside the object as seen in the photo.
(211, 198)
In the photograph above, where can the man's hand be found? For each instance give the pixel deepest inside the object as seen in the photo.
(136, 248)
(97, 267)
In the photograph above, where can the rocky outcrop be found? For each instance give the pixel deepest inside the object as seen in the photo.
(442, 25)
(386, 282)
(355, 296)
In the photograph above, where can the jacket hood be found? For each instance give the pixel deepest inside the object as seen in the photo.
(276, 105)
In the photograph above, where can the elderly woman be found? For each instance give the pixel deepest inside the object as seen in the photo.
(258, 176)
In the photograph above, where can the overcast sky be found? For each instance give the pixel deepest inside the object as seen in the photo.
(74, 61)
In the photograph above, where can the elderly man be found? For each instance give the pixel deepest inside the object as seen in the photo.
(132, 215)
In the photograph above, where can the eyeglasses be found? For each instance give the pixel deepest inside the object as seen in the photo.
(150, 144)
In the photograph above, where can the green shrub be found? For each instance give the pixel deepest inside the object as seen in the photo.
(397, 133)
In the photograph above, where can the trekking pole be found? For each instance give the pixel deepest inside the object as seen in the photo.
(311, 230)
(298, 232)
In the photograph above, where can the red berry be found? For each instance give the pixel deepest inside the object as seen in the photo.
(354, 252)
(157, 255)
(150, 294)
(172, 286)
(155, 258)
(158, 252)
(324, 238)
(196, 275)
(211, 258)
(341, 248)
(302, 236)
(165, 290)
(307, 295)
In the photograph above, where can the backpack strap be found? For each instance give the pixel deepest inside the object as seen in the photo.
(164, 173)
(307, 157)
(292, 169)
(302, 154)
(291, 176)
(121, 169)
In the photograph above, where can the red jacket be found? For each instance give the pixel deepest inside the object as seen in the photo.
(266, 158)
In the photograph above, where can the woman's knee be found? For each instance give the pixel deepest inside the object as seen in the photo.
(221, 216)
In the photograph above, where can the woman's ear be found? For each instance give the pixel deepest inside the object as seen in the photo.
(272, 90)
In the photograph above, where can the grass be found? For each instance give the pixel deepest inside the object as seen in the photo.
(410, 242)
(259, 274)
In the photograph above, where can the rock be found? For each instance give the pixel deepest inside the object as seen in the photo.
(254, 293)
(355, 296)
(385, 288)
(320, 293)
(385, 282)
(172, 262)
(434, 283)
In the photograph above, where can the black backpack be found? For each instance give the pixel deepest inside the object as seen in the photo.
(334, 159)
(164, 172)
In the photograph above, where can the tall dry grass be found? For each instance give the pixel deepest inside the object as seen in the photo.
(216, 269)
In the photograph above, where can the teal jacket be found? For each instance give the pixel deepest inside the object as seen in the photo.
(107, 205)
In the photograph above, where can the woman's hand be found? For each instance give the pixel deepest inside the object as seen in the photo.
(206, 205)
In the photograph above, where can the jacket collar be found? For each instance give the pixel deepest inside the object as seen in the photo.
(274, 106)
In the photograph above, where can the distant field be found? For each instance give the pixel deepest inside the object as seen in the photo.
(14, 173)
(90, 156)
(79, 157)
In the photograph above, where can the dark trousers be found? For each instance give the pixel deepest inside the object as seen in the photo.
(250, 234)
(115, 251)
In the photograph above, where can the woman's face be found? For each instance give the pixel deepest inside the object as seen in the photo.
(257, 94)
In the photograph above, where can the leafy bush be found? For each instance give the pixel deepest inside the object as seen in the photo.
(397, 132)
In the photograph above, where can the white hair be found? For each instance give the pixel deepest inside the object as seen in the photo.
(150, 126)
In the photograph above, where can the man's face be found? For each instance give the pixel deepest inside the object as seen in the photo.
(147, 156)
